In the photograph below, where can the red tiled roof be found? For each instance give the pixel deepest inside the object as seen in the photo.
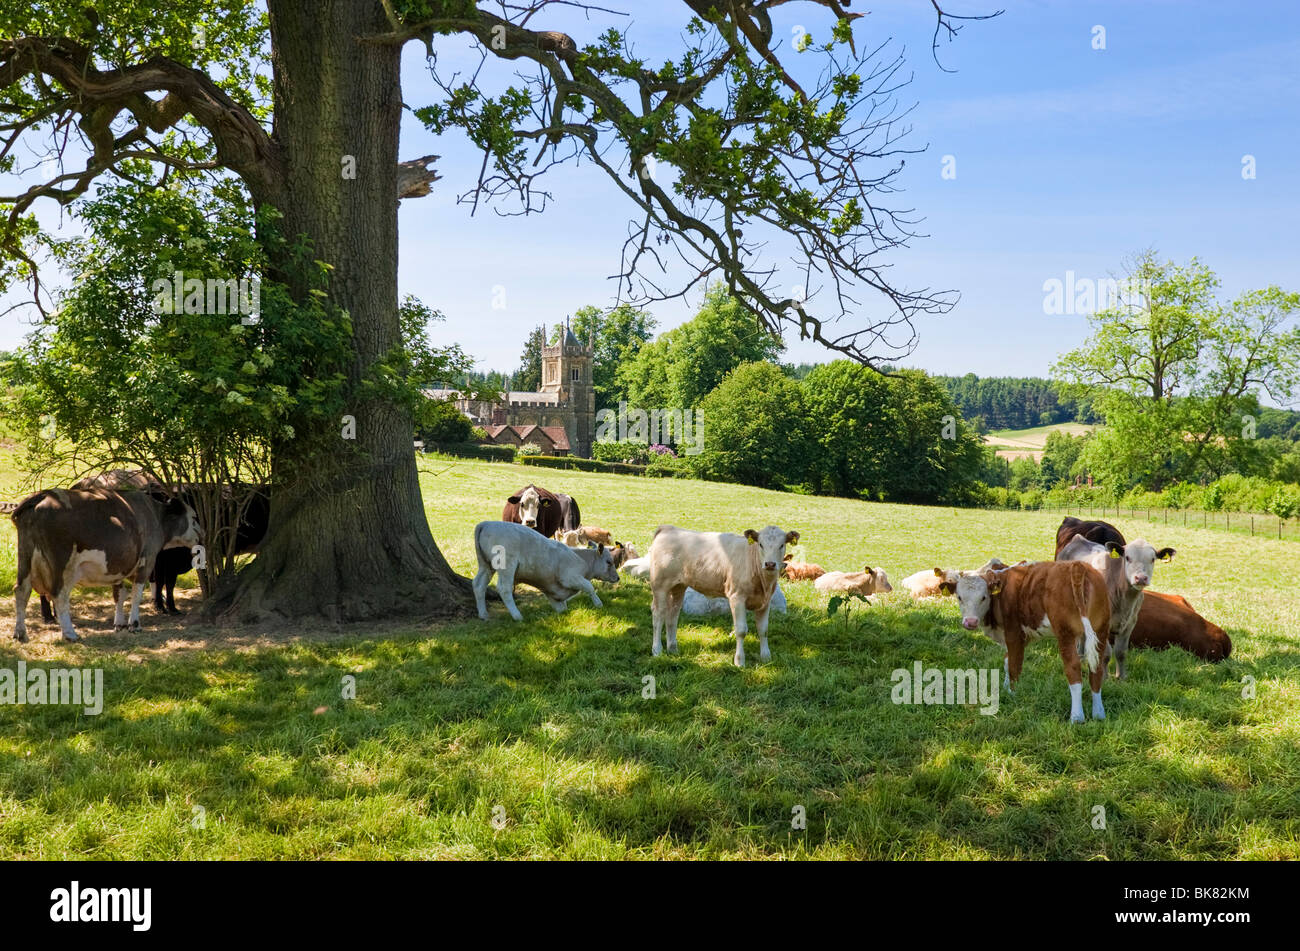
(557, 436)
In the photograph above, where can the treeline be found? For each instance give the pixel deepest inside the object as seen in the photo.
(1010, 402)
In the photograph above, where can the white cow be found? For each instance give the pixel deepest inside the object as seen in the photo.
(926, 584)
(741, 568)
(1128, 569)
(698, 604)
(638, 568)
(867, 581)
(520, 555)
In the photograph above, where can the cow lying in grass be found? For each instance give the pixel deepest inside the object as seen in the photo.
(519, 555)
(1167, 620)
(1067, 599)
(865, 582)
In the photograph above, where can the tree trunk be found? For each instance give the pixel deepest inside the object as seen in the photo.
(352, 543)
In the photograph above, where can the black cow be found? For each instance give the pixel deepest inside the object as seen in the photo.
(1103, 533)
(174, 562)
(570, 517)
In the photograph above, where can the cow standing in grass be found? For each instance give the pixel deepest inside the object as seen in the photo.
(68, 537)
(1128, 569)
(1065, 599)
(519, 555)
(741, 568)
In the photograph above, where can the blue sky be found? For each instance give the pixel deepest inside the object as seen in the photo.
(1067, 159)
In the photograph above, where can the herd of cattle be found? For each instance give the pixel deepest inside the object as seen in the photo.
(126, 527)
(117, 527)
(1092, 598)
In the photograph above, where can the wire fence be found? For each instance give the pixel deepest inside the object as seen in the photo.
(1242, 523)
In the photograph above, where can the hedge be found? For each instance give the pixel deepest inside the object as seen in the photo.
(469, 450)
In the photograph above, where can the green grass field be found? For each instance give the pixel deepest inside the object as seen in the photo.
(543, 727)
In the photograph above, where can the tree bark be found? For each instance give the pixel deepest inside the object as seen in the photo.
(351, 543)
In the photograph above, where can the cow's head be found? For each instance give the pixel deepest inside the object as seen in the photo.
(947, 580)
(180, 524)
(602, 565)
(771, 543)
(530, 503)
(1139, 560)
(881, 579)
(975, 593)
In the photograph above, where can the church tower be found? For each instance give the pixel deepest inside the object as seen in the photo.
(566, 371)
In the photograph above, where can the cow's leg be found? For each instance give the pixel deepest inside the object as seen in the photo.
(675, 599)
(737, 602)
(63, 607)
(1121, 656)
(171, 595)
(1065, 643)
(657, 612)
(137, 593)
(590, 588)
(1015, 658)
(481, 581)
(1095, 679)
(22, 592)
(47, 609)
(506, 588)
(119, 616)
(760, 625)
(1006, 673)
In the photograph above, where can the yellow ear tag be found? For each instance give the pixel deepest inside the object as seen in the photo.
(1114, 553)
(748, 539)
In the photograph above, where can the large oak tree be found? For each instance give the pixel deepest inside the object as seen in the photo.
(716, 151)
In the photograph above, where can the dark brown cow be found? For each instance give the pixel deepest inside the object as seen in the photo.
(571, 516)
(535, 508)
(1066, 599)
(1098, 531)
(68, 537)
(1167, 620)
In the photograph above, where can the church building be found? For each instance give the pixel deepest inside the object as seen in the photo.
(560, 418)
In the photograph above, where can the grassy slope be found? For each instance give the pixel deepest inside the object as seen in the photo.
(546, 718)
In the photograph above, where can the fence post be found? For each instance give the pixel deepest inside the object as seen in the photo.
(1252, 526)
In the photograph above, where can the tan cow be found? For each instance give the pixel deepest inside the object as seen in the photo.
(741, 568)
(802, 571)
(1067, 599)
(867, 581)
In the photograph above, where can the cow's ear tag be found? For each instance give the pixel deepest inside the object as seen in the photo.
(1114, 553)
(995, 589)
(748, 539)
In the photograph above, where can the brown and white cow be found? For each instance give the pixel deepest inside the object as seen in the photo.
(865, 582)
(1128, 569)
(741, 568)
(1064, 598)
(68, 537)
(535, 508)
(1167, 620)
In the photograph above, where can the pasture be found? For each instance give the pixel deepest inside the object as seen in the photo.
(535, 740)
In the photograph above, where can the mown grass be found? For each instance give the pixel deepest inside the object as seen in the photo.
(545, 721)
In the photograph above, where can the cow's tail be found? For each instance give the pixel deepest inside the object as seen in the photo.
(484, 561)
(26, 505)
(1091, 643)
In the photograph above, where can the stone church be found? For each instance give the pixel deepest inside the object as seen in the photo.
(560, 418)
